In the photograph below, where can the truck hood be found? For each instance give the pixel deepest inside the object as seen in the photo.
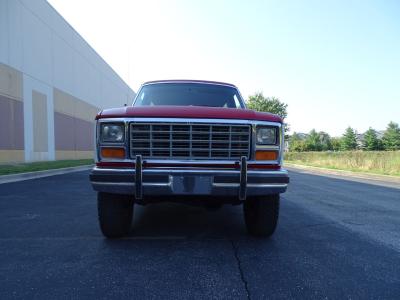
(187, 112)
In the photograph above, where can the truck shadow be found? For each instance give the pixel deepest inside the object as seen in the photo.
(174, 220)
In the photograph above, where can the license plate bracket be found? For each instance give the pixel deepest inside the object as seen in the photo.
(192, 184)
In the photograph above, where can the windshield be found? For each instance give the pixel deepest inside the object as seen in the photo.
(189, 94)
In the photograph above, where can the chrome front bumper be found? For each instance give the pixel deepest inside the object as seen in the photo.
(149, 182)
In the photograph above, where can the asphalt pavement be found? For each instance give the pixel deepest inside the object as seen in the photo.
(336, 239)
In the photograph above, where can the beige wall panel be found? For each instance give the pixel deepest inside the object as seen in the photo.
(63, 103)
(40, 127)
(85, 111)
(73, 107)
(10, 82)
(11, 156)
(63, 155)
(84, 154)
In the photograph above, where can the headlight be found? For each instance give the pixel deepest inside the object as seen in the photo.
(112, 133)
(266, 135)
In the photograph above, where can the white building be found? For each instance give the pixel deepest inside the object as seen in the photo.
(52, 84)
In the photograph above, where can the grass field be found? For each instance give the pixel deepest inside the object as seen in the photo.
(44, 165)
(378, 162)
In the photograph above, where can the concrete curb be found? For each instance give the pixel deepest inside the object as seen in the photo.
(344, 173)
(39, 174)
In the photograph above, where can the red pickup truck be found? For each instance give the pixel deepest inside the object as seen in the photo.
(192, 142)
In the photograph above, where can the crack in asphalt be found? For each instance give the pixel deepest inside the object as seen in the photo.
(319, 224)
(245, 283)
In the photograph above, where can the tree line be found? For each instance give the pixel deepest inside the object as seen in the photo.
(369, 141)
(322, 141)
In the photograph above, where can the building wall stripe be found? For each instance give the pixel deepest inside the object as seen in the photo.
(65, 154)
(11, 124)
(8, 156)
(72, 133)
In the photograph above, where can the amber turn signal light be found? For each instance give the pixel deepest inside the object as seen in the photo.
(113, 153)
(266, 155)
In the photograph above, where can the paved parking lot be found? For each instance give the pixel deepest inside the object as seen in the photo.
(336, 239)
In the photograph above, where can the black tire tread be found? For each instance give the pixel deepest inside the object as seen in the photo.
(115, 214)
(261, 215)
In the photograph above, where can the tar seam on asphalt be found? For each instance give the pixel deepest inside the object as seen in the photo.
(235, 252)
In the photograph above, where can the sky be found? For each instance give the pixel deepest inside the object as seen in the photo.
(335, 63)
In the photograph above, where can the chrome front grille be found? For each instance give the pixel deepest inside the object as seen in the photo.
(189, 141)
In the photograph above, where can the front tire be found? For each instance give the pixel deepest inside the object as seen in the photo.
(115, 214)
(261, 215)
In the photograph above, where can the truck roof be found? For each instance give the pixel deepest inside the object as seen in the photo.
(189, 81)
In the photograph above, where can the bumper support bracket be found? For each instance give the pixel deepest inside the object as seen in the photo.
(243, 178)
(138, 177)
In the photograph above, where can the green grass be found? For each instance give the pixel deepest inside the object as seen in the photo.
(43, 165)
(376, 162)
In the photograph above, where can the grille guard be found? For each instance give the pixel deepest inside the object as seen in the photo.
(139, 178)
